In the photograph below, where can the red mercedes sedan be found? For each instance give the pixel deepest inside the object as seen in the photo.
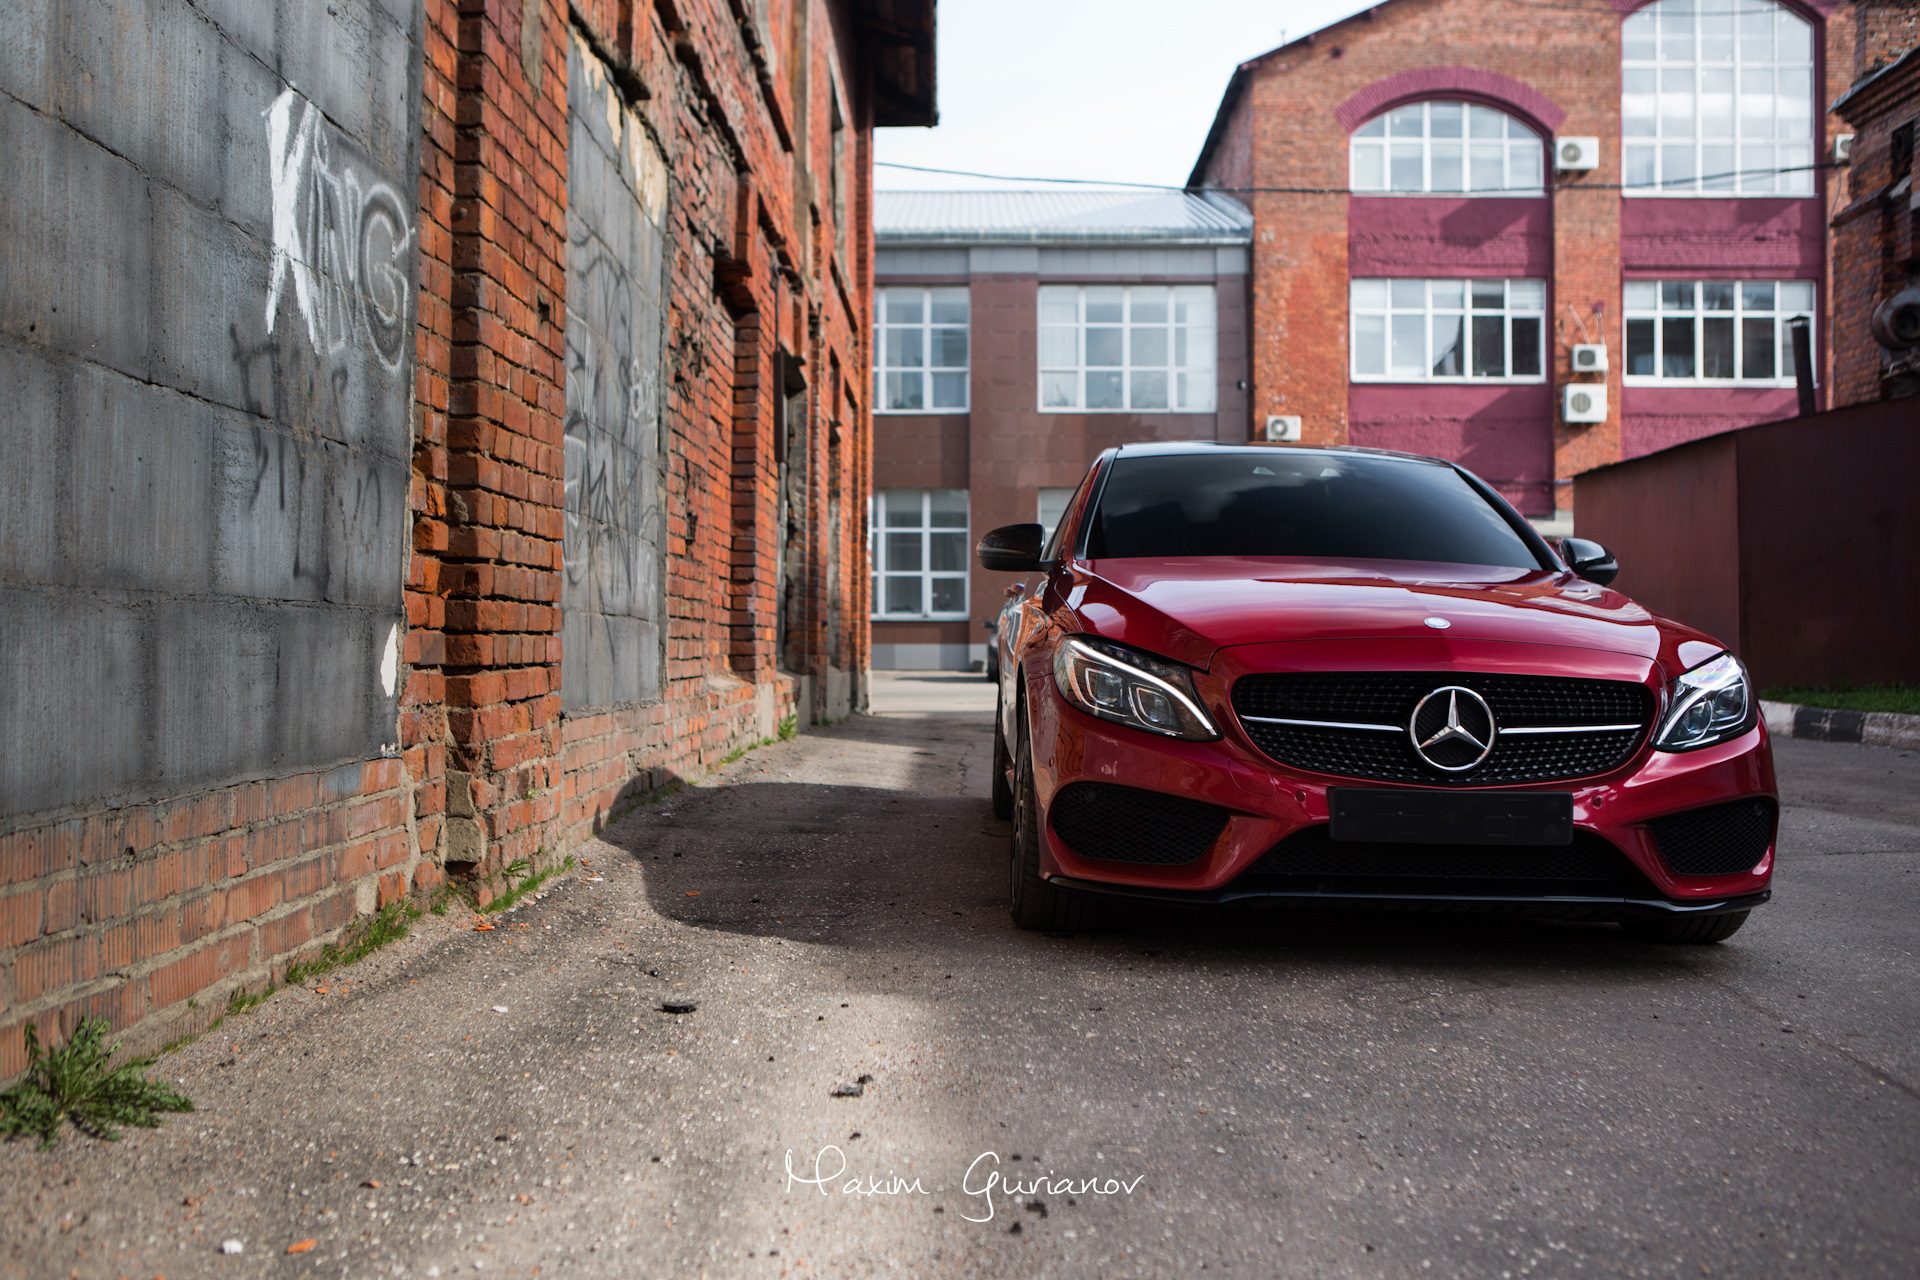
(1347, 677)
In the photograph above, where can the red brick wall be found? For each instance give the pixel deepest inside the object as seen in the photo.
(1876, 239)
(131, 913)
(1283, 132)
(126, 914)
(1883, 30)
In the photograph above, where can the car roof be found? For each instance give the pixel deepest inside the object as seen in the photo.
(1172, 448)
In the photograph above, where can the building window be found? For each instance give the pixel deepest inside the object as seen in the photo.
(919, 553)
(1717, 98)
(920, 363)
(1118, 348)
(1446, 147)
(1713, 332)
(1448, 330)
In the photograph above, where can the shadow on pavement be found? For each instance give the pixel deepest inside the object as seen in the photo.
(873, 868)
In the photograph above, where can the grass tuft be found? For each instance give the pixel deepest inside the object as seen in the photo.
(520, 883)
(1903, 699)
(387, 925)
(75, 1083)
(789, 728)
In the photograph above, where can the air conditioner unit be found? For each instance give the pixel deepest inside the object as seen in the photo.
(1896, 322)
(1283, 428)
(1583, 402)
(1590, 357)
(1576, 153)
(1843, 148)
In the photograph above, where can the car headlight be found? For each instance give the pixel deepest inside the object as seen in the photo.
(1709, 704)
(1132, 688)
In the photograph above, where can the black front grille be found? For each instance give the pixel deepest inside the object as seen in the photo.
(1388, 699)
(1312, 859)
(1721, 840)
(1125, 824)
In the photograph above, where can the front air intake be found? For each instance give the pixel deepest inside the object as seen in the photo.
(1720, 840)
(1125, 824)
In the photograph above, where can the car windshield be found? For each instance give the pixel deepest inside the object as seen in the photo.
(1294, 503)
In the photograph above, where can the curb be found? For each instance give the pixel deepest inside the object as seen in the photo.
(1820, 724)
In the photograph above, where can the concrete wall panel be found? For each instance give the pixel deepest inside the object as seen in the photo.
(74, 718)
(206, 337)
(74, 236)
(613, 592)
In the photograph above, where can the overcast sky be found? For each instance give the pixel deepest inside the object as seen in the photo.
(1117, 90)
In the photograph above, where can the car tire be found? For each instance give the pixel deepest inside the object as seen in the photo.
(1002, 766)
(1693, 929)
(1035, 903)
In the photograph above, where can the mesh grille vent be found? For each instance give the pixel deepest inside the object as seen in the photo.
(1590, 864)
(1722, 840)
(1124, 824)
(1388, 698)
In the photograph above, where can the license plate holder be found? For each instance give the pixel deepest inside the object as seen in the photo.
(1389, 815)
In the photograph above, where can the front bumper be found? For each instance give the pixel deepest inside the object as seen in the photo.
(1266, 803)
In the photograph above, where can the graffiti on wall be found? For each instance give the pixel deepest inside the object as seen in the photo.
(613, 405)
(341, 240)
(613, 588)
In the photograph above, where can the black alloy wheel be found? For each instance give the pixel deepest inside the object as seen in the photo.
(1694, 929)
(1036, 904)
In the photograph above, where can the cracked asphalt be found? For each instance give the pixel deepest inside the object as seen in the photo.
(1286, 1093)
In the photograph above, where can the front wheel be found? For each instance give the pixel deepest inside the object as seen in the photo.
(1036, 904)
(1695, 929)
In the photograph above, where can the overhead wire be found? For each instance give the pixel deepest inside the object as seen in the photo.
(1349, 191)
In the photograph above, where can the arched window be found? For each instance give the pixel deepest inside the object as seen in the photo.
(1445, 147)
(1716, 97)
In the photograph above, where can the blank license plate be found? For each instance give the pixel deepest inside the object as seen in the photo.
(1377, 814)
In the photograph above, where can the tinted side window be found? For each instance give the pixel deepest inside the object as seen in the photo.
(1321, 506)
(1068, 518)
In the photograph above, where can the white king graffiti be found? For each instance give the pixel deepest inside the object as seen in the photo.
(339, 237)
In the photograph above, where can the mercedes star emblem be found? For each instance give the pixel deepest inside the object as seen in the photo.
(1452, 728)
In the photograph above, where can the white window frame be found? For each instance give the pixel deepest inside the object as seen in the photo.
(1690, 66)
(1434, 303)
(1663, 313)
(923, 334)
(879, 506)
(1190, 348)
(1381, 136)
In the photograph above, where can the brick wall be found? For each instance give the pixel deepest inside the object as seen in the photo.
(1876, 232)
(150, 901)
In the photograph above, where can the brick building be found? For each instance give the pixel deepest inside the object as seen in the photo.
(1450, 195)
(1876, 232)
(431, 423)
(1017, 335)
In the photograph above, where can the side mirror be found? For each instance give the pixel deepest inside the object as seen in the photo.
(1589, 559)
(1013, 548)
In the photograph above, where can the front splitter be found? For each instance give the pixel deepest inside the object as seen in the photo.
(1564, 906)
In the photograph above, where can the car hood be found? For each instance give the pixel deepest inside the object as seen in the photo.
(1190, 609)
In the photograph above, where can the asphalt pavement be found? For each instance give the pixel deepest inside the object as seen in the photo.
(875, 1054)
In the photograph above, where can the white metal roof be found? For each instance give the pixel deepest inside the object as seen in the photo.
(1059, 217)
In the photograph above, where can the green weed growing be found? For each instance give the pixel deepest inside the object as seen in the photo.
(525, 884)
(74, 1083)
(388, 925)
